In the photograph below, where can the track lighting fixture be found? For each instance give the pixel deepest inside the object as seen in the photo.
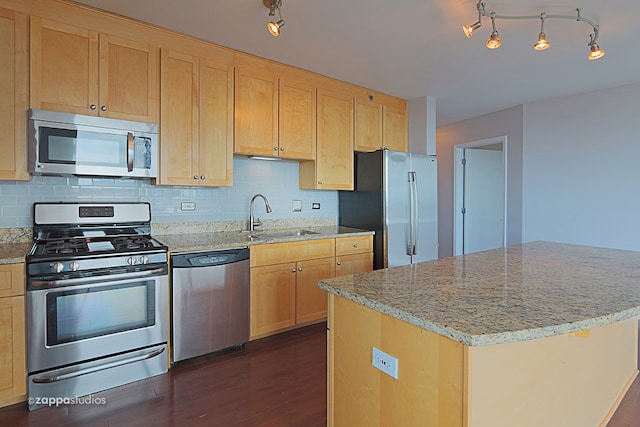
(542, 42)
(494, 40)
(273, 5)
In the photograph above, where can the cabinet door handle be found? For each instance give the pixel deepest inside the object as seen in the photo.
(355, 245)
(195, 177)
(293, 271)
(339, 263)
(202, 177)
(299, 268)
(319, 182)
(281, 148)
(275, 148)
(103, 108)
(93, 106)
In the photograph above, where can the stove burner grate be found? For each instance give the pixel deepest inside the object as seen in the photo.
(64, 246)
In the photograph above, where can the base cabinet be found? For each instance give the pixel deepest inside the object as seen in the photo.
(354, 255)
(13, 360)
(284, 280)
(284, 291)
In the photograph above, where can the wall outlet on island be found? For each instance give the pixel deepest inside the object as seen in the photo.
(386, 363)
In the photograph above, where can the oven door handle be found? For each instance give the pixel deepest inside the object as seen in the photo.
(69, 375)
(94, 280)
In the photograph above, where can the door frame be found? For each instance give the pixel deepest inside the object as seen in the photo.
(458, 188)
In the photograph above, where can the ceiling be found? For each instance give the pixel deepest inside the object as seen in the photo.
(414, 48)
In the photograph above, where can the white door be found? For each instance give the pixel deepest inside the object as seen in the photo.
(480, 195)
(483, 218)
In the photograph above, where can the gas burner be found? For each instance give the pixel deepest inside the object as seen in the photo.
(131, 242)
(65, 246)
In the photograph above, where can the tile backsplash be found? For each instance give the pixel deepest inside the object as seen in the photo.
(277, 180)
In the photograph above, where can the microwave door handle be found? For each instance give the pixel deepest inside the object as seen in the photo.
(131, 145)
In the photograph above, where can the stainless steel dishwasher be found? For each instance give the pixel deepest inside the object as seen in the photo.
(210, 301)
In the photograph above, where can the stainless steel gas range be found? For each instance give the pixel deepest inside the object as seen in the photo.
(97, 299)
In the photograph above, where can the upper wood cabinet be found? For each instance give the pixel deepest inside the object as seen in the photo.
(13, 95)
(196, 125)
(275, 112)
(395, 128)
(80, 71)
(297, 119)
(333, 168)
(380, 123)
(368, 125)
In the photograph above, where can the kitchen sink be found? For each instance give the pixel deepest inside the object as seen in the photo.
(253, 235)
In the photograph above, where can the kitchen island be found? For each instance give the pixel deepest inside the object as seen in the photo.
(528, 335)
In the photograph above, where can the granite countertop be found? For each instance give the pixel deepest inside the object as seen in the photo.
(510, 294)
(13, 253)
(234, 239)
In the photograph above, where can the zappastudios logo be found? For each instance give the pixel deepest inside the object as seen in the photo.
(57, 401)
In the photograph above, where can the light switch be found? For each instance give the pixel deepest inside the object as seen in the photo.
(297, 206)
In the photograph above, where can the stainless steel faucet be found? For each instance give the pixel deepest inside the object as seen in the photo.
(254, 222)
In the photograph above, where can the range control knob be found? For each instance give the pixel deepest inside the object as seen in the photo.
(74, 265)
(144, 259)
(131, 260)
(57, 267)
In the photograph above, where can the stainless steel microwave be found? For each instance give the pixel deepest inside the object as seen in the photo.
(62, 143)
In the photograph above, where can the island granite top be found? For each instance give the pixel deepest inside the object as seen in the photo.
(517, 293)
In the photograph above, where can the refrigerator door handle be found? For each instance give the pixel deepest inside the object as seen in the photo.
(413, 214)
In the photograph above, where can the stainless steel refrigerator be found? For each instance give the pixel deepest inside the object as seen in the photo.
(396, 196)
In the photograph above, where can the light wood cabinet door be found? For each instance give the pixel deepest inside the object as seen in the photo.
(13, 369)
(395, 129)
(179, 119)
(215, 149)
(196, 126)
(297, 120)
(368, 125)
(64, 67)
(311, 301)
(256, 110)
(12, 280)
(333, 168)
(13, 360)
(128, 79)
(354, 264)
(79, 71)
(13, 96)
(272, 299)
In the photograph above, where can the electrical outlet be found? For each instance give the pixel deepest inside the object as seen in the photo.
(188, 206)
(386, 363)
(315, 206)
(297, 206)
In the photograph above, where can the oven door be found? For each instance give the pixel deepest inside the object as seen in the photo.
(88, 318)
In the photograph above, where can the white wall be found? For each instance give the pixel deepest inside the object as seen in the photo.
(581, 170)
(506, 122)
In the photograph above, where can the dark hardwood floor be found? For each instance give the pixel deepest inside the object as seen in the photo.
(276, 381)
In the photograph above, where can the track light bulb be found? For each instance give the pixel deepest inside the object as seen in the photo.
(274, 27)
(596, 52)
(542, 42)
(494, 41)
(469, 29)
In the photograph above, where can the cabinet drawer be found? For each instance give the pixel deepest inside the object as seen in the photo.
(278, 253)
(12, 279)
(354, 245)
